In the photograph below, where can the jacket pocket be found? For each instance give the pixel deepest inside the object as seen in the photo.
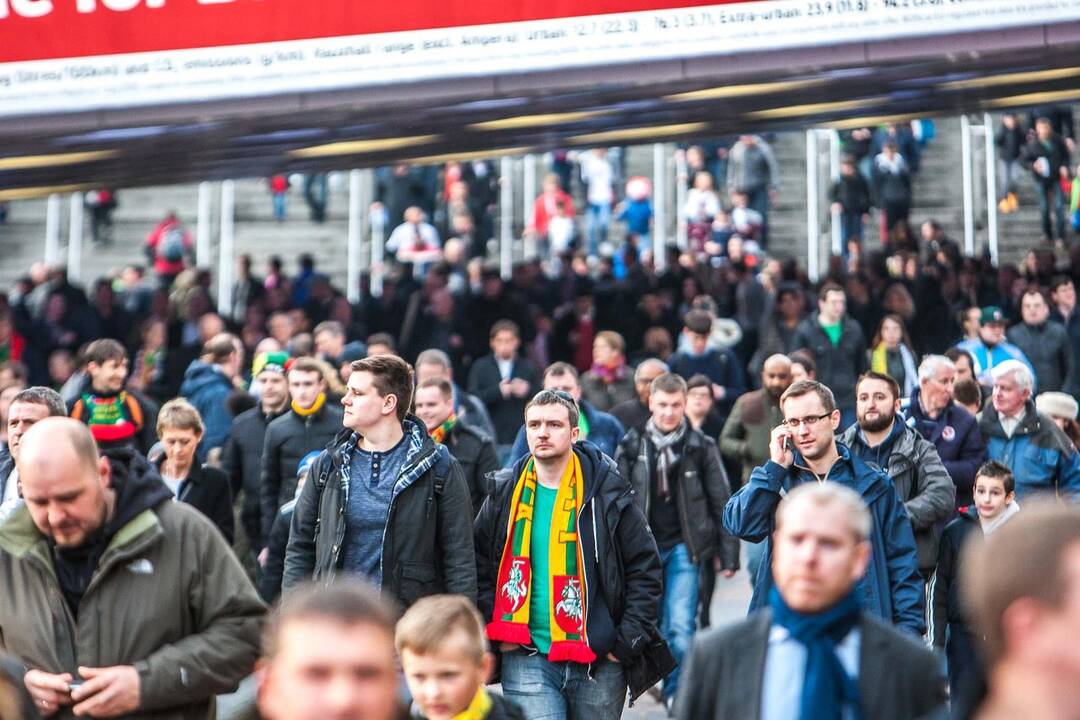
(417, 581)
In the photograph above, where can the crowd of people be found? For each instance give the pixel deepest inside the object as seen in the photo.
(548, 475)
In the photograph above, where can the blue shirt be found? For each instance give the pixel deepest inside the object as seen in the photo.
(785, 669)
(372, 476)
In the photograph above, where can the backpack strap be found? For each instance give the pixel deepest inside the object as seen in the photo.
(442, 469)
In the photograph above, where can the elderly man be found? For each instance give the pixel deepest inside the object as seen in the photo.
(815, 652)
(803, 449)
(634, 412)
(911, 461)
(28, 407)
(991, 348)
(932, 411)
(120, 600)
(1040, 455)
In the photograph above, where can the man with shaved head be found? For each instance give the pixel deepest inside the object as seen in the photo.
(634, 413)
(119, 601)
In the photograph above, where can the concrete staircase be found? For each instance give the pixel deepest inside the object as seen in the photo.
(938, 195)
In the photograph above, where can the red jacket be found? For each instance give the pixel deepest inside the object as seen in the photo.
(545, 208)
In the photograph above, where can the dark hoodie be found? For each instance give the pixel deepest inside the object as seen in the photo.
(138, 487)
(207, 388)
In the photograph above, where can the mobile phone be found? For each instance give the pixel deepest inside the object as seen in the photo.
(788, 445)
(75, 684)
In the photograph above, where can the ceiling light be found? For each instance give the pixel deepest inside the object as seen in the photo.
(731, 91)
(357, 147)
(642, 133)
(524, 121)
(814, 108)
(465, 156)
(1011, 78)
(28, 193)
(27, 162)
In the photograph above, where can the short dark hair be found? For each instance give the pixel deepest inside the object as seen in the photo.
(955, 353)
(699, 381)
(220, 348)
(561, 368)
(967, 391)
(382, 339)
(998, 471)
(444, 386)
(829, 287)
(894, 387)
(305, 364)
(699, 322)
(805, 387)
(38, 395)
(668, 383)
(1058, 281)
(101, 351)
(392, 376)
(556, 397)
(347, 601)
(805, 359)
(504, 326)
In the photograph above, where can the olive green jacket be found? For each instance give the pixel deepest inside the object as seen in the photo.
(746, 434)
(168, 597)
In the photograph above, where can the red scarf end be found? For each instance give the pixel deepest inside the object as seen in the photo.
(502, 631)
(572, 651)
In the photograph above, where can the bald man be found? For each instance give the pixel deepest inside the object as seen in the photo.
(119, 601)
(745, 437)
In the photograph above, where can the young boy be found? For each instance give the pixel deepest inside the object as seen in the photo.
(445, 657)
(995, 503)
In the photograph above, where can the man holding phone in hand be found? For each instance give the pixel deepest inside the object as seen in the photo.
(803, 449)
(120, 601)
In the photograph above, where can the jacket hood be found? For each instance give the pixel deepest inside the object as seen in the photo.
(200, 375)
(900, 441)
(864, 479)
(138, 488)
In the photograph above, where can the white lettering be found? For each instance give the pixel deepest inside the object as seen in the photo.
(27, 8)
(120, 5)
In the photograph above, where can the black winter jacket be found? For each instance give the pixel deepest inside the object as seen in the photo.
(1048, 348)
(288, 439)
(703, 492)
(242, 462)
(207, 490)
(838, 366)
(475, 453)
(622, 566)
(427, 546)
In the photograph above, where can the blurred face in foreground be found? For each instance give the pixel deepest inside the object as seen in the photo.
(816, 556)
(327, 670)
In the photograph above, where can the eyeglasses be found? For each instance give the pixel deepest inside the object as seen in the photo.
(563, 395)
(809, 421)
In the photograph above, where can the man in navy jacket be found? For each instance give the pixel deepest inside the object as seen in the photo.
(952, 429)
(803, 449)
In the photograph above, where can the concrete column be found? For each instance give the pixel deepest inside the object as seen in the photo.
(75, 238)
(225, 248)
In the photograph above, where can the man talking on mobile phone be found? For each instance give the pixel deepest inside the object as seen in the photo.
(892, 588)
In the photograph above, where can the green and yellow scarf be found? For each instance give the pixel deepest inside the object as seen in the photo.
(479, 707)
(510, 622)
(439, 434)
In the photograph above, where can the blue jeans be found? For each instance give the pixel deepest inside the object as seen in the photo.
(1047, 195)
(678, 608)
(546, 690)
(596, 224)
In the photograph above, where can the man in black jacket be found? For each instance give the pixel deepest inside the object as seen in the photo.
(504, 381)
(385, 502)
(573, 613)
(1044, 343)
(310, 424)
(242, 459)
(433, 364)
(814, 651)
(838, 347)
(1047, 157)
(474, 451)
(680, 484)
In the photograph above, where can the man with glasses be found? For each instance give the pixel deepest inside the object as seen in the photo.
(803, 449)
(932, 411)
(568, 575)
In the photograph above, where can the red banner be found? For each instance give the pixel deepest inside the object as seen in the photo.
(51, 29)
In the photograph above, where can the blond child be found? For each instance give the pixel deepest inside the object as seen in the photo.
(445, 656)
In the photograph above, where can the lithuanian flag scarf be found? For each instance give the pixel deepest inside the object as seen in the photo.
(439, 434)
(567, 590)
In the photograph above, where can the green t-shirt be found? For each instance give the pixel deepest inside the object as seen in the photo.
(540, 597)
(834, 331)
(583, 425)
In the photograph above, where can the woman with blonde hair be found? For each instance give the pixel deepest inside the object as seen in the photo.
(205, 488)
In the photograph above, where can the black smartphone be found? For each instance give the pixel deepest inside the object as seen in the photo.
(788, 445)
